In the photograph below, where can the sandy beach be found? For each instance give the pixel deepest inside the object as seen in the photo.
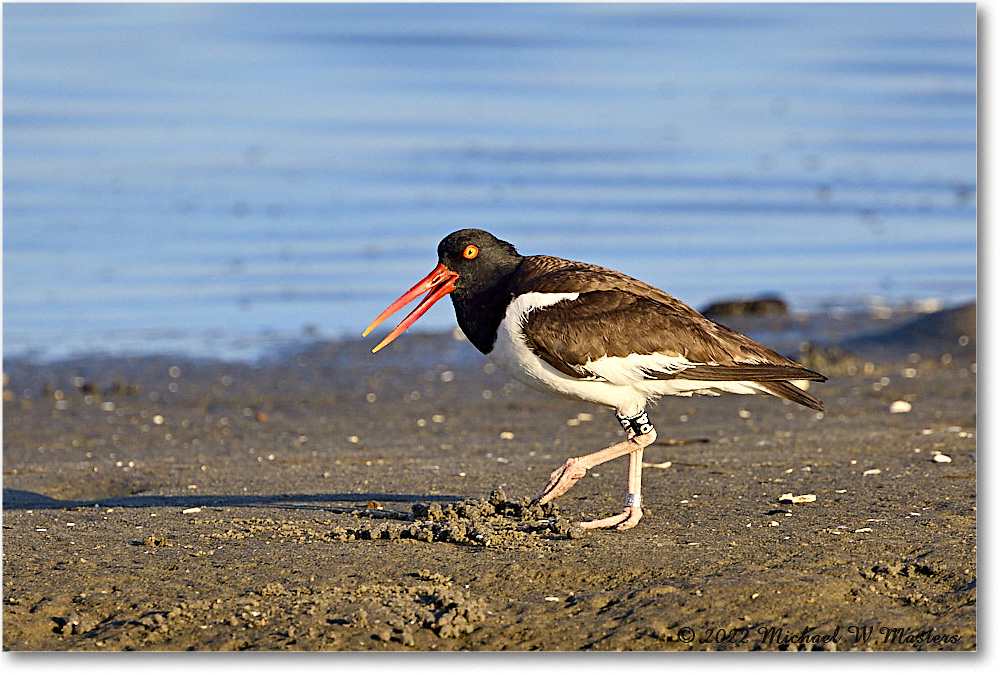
(332, 499)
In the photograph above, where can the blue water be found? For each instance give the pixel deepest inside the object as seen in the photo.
(219, 179)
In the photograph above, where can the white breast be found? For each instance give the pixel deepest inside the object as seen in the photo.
(511, 353)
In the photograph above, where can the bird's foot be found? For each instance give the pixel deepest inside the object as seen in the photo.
(561, 480)
(625, 520)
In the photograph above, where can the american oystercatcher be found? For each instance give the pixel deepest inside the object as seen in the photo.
(589, 333)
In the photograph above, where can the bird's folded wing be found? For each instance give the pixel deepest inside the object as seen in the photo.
(622, 337)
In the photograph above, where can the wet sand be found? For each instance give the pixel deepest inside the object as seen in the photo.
(339, 500)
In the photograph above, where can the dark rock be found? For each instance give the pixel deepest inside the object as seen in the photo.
(949, 330)
(763, 306)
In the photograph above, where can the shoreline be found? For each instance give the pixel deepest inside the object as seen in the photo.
(818, 323)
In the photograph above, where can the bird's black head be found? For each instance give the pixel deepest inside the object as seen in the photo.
(481, 261)
(474, 267)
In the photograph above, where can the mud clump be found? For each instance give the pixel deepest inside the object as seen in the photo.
(496, 521)
(454, 615)
(74, 624)
(446, 610)
(155, 541)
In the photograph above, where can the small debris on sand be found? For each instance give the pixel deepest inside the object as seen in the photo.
(796, 499)
(900, 407)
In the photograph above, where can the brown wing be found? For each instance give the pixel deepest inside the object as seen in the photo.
(617, 316)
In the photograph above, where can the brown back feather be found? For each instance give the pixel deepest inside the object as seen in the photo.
(616, 315)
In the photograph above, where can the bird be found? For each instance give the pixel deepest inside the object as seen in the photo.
(588, 333)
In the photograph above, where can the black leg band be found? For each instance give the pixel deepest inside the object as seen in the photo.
(637, 423)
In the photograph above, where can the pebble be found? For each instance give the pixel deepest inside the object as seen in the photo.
(942, 458)
(796, 499)
(872, 472)
(900, 407)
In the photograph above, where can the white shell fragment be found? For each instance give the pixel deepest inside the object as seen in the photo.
(796, 499)
(872, 472)
(900, 407)
(657, 465)
(194, 509)
(942, 458)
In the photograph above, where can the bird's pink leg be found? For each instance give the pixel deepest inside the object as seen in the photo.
(632, 514)
(575, 468)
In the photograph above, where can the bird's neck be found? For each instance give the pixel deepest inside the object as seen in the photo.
(480, 308)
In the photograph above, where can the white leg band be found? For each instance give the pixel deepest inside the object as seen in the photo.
(633, 500)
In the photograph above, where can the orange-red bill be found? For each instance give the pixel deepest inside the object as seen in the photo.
(439, 283)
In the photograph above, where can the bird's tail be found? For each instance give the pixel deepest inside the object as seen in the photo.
(790, 392)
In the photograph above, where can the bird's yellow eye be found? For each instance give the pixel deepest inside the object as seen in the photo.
(470, 252)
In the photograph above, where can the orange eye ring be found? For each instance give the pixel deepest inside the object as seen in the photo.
(470, 252)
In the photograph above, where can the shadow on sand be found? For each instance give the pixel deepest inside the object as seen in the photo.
(23, 499)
